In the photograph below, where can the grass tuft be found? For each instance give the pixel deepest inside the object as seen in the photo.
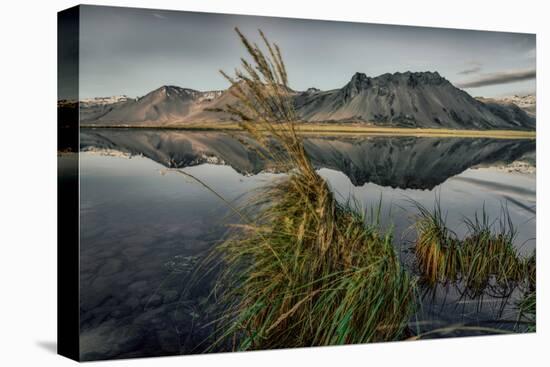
(303, 270)
(437, 249)
(485, 258)
(527, 306)
(488, 253)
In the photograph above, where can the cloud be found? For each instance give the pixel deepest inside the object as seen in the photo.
(472, 70)
(159, 16)
(531, 54)
(471, 67)
(502, 77)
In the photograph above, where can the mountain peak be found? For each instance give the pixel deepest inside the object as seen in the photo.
(312, 90)
(173, 91)
(164, 88)
(175, 88)
(360, 80)
(411, 78)
(428, 77)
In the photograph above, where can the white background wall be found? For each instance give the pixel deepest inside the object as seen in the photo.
(28, 181)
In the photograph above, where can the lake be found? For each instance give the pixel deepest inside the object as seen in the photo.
(144, 226)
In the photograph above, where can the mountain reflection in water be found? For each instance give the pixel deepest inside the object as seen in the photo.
(397, 162)
(141, 232)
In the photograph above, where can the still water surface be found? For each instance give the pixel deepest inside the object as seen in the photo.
(143, 225)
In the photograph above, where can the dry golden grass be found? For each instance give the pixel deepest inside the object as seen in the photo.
(342, 129)
(485, 258)
(303, 269)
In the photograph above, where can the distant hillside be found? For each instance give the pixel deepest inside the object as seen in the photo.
(165, 105)
(527, 103)
(420, 100)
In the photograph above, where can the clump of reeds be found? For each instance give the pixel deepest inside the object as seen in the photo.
(437, 248)
(486, 257)
(527, 308)
(530, 268)
(488, 253)
(303, 269)
(527, 305)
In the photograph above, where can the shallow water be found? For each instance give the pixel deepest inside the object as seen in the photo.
(142, 225)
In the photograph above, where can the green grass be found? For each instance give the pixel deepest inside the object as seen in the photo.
(484, 258)
(437, 249)
(312, 272)
(301, 269)
(527, 308)
(488, 253)
(527, 305)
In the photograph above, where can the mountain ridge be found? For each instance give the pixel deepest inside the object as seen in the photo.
(401, 99)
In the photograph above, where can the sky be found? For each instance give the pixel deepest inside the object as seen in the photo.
(134, 51)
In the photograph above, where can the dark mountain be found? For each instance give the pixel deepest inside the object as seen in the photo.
(420, 100)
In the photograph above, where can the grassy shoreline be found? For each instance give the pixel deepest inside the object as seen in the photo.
(341, 129)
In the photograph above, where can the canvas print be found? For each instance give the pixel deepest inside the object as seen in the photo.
(235, 183)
